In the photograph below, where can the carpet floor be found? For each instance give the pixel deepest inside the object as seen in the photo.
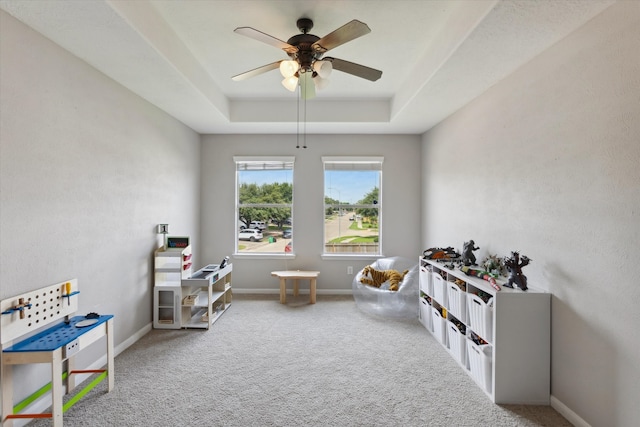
(268, 364)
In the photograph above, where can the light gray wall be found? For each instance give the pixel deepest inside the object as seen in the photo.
(400, 202)
(87, 170)
(547, 162)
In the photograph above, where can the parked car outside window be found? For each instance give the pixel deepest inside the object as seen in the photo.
(260, 225)
(250, 234)
(286, 233)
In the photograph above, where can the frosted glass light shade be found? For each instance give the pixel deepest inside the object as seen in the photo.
(288, 68)
(320, 82)
(291, 83)
(323, 68)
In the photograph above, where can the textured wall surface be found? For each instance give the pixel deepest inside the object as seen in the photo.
(87, 171)
(546, 162)
(400, 202)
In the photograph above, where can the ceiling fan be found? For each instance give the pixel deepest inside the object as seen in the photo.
(306, 67)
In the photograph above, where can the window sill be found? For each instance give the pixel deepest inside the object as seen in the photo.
(330, 257)
(241, 255)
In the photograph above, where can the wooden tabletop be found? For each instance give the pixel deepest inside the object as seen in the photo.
(295, 274)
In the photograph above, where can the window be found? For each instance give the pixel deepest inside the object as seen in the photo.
(264, 201)
(352, 205)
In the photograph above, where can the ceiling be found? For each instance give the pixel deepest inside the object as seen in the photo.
(436, 55)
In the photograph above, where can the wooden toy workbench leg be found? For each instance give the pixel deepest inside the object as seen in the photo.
(56, 387)
(71, 379)
(296, 289)
(7, 394)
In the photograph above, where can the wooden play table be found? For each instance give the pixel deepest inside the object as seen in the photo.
(295, 275)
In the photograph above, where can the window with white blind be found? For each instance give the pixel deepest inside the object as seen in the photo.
(264, 202)
(352, 196)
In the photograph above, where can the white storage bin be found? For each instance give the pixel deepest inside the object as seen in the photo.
(425, 314)
(480, 315)
(439, 288)
(457, 343)
(480, 364)
(439, 326)
(425, 281)
(457, 302)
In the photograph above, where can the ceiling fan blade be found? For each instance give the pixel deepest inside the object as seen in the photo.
(355, 69)
(256, 71)
(349, 31)
(265, 38)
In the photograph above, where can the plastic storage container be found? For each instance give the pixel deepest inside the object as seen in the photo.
(425, 280)
(439, 288)
(480, 364)
(457, 343)
(439, 326)
(457, 301)
(480, 316)
(425, 314)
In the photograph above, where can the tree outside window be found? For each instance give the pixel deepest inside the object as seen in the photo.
(264, 201)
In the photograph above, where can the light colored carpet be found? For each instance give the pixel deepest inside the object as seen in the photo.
(267, 364)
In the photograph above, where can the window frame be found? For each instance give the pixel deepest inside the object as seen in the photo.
(265, 161)
(353, 163)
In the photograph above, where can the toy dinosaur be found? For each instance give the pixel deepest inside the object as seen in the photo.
(376, 278)
(514, 264)
(468, 258)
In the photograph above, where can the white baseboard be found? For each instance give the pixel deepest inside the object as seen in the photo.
(571, 416)
(44, 402)
(132, 339)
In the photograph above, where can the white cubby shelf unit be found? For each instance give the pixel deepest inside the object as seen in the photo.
(501, 338)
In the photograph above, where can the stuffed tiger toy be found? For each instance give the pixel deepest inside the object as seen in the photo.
(378, 277)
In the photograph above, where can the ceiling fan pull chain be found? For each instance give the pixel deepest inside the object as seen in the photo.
(304, 134)
(298, 118)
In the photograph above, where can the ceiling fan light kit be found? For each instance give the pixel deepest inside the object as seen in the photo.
(288, 68)
(322, 68)
(320, 82)
(306, 68)
(290, 83)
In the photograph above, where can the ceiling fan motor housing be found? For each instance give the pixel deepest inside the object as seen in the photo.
(305, 55)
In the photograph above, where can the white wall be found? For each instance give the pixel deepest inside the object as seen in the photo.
(400, 202)
(547, 162)
(87, 170)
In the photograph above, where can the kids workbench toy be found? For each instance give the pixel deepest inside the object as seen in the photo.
(39, 327)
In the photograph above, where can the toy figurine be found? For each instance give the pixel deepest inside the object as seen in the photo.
(481, 274)
(494, 265)
(468, 258)
(514, 264)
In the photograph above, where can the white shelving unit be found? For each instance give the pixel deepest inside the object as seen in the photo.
(206, 295)
(183, 299)
(500, 338)
(170, 267)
